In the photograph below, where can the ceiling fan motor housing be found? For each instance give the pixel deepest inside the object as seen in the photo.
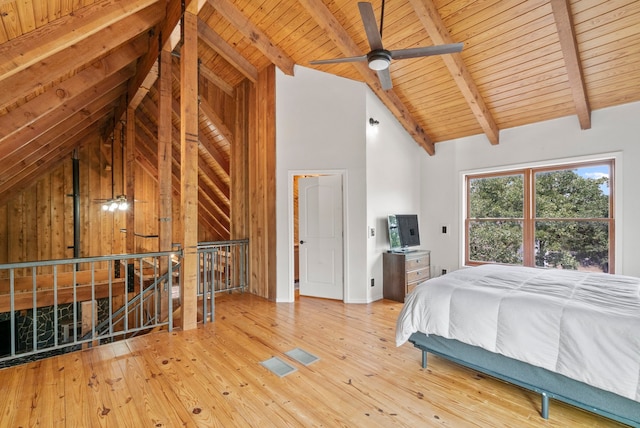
(379, 59)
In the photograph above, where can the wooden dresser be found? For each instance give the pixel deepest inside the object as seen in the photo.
(402, 272)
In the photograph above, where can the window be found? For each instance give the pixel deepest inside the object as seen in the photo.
(559, 217)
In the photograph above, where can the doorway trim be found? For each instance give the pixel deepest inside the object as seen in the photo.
(345, 227)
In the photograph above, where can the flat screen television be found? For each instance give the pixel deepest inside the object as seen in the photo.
(404, 233)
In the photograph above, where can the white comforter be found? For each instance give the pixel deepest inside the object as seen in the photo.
(585, 326)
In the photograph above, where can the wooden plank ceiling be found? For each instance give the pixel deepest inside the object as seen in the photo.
(68, 69)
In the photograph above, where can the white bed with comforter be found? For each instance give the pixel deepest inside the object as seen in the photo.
(585, 326)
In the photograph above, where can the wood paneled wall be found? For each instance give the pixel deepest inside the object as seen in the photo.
(262, 187)
(238, 168)
(37, 223)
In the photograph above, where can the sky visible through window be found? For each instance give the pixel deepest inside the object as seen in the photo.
(595, 172)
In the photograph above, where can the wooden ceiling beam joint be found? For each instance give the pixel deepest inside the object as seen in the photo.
(258, 38)
(218, 44)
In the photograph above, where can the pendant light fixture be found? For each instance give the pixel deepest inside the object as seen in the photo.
(116, 203)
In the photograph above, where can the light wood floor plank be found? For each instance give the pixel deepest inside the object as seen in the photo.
(212, 377)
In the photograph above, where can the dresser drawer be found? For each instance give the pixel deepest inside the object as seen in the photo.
(418, 275)
(417, 263)
(411, 286)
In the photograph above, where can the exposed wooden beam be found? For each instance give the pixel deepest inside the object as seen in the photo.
(210, 147)
(221, 199)
(189, 174)
(224, 132)
(213, 78)
(144, 89)
(239, 163)
(60, 34)
(38, 149)
(214, 220)
(35, 117)
(569, 45)
(166, 34)
(164, 138)
(258, 38)
(216, 120)
(44, 73)
(432, 22)
(219, 45)
(146, 158)
(152, 76)
(262, 188)
(130, 174)
(56, 153)
(336, 32)
(222, 188)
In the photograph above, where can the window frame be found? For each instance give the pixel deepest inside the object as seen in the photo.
(529, 218)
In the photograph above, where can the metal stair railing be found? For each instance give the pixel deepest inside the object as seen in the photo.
(122, 314)
(224, 267)
(43, 302)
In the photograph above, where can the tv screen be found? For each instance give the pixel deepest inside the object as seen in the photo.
(408, 228)
(403, 231)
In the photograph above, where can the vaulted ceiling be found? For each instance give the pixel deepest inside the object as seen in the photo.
(69, 68)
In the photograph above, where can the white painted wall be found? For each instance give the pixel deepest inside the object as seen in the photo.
(320, 127)
(393, 183)
(614, 129)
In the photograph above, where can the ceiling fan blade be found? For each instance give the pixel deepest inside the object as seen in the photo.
(385, 79)
(426, 51)
(370, 25)
(338, 60)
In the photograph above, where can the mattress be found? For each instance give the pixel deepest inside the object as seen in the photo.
(585, 326)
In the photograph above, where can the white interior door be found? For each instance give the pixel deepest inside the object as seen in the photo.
(320, 234)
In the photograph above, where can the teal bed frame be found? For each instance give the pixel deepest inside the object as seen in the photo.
(547, 383)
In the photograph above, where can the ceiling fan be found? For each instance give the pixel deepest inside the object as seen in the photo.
(379, 58)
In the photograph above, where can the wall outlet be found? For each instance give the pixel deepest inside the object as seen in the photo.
(445, 229)
(372, 282)
(443, 272)
(372, 231)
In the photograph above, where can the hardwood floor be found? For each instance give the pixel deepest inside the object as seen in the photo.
(211, 377)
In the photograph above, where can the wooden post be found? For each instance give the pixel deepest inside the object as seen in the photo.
(165, 208)
(239, 166)
(188, 167)
(130, 181)
(262, 153)
(89, 314)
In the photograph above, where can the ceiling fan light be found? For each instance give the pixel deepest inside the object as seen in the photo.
(379, 64)
(379, 59)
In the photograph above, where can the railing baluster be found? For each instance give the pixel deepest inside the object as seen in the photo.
(12, 304)
(75, 306)
(93, 299)
(170, 294)
(35, 308)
